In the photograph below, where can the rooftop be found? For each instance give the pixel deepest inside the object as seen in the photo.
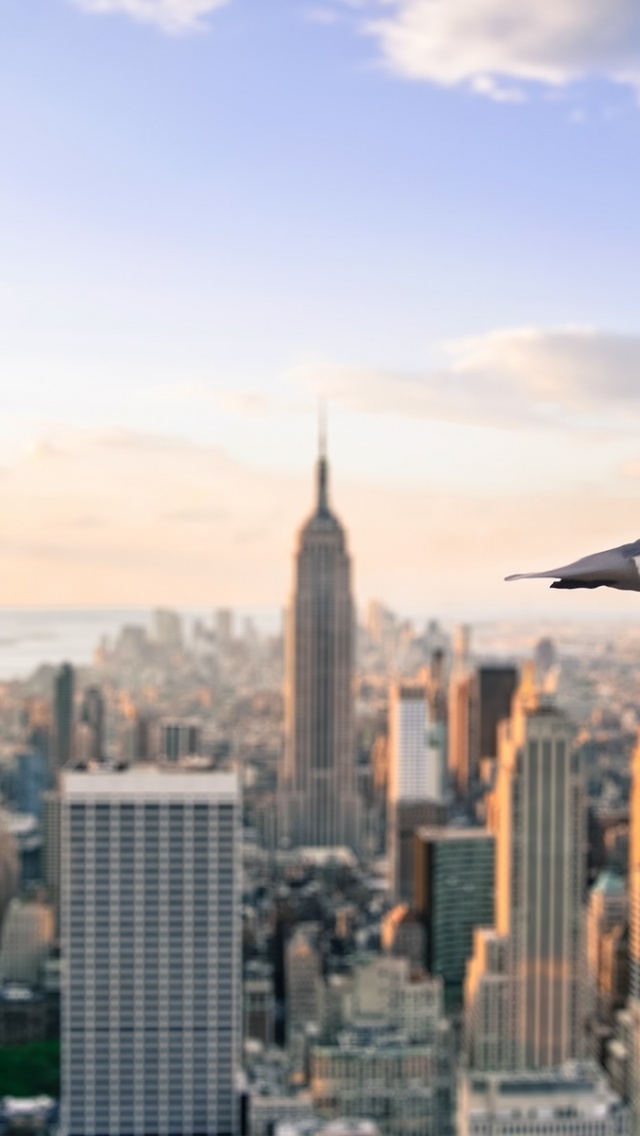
(451, 832)
(148, 781)
(610, 883)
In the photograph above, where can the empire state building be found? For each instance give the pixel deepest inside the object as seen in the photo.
(318, 792)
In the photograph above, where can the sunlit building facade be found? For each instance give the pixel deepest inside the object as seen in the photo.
(537, 965)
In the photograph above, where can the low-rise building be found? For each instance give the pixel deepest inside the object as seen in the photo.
(405, 1088)
(23, 1015)
(402, 934)
(302, 979)
(575, 1100)
(392, 1062)
(259, 1003)
(27, 935)
(266, 1110)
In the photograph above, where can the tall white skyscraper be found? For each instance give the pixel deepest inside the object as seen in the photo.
(536, 976)
(416, 747)
(150, 939)
(318, 791)
(416, 779)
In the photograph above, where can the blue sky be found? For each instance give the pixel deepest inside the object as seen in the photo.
(203, 228)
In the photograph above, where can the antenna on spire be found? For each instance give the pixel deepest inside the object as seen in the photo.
(322, 428)
(323, 465)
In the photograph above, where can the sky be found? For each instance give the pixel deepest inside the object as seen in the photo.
(214, 213)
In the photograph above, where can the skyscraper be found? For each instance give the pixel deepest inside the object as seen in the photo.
(416, 779)
(454, 880)
(63, 716)
(607, 908)
(150, 939)
(538, 817)
(416, 745)
(463, 726)
(178, 738)
(90, 733)
(51, 848)
(478, 701)
(496, 687)
(318, 795)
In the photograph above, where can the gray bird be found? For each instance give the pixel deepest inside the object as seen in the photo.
(614, 568)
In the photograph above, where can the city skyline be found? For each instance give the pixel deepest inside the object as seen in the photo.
(216, 212)
(191, 929)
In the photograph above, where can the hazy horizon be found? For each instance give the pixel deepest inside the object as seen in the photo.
(35, 637)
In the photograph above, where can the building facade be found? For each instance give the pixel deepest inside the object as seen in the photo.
(27, 935)
(416, 769)
(416, 784)
(606, 914)
(538, 817)
(395, 1084)
(390, 1058)
(150, 940)
(90, 734)
(404, 819)
(478, 701)
(463, 739)
(63, 716)
(302, 967)
(454, 884)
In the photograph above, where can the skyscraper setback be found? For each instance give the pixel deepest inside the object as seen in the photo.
(318, 797)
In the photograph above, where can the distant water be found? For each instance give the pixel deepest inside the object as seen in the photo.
(31, 636)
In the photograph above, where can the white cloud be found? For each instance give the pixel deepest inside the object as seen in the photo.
(576, 379)
(481, 41)
(499, 92)
(172, 16)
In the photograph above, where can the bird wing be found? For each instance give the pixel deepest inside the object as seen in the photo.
(613, 563)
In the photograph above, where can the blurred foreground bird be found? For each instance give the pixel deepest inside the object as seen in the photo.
(614, 568)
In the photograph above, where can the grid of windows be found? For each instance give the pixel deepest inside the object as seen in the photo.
(149, 925)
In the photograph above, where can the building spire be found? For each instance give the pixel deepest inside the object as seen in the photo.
(323, 464)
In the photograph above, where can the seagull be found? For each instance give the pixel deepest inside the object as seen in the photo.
(614, 568)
